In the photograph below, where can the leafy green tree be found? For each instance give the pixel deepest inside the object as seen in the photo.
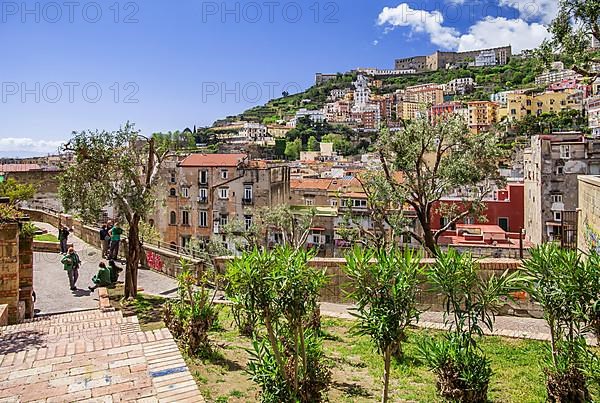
(385, 286)
(282, 291)
(292, 149)
(15, 191)
(566, 286)
(312, 144)
(117, 168)
(470, 304)
(432, 160)
(577, 22)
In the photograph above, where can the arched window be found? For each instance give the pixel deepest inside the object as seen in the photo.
(173, 218)
(172, 192)
(151, 222)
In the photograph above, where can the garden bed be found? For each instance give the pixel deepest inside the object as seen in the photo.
(356, 368)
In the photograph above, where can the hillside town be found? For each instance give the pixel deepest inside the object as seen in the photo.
(425, 230)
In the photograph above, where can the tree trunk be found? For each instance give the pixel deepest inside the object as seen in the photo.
(133, 257)
(428, 238)
(387, 357)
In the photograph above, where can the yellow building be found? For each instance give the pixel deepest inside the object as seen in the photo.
(520, 105)
(482, 115)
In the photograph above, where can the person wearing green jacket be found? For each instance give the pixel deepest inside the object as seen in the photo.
(71, 263)
(102, 279)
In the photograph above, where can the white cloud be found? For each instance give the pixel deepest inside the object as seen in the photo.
(533, 10)
(491, 32)
(420, 21)
(486, 33)
(27, 144)
(375, 42)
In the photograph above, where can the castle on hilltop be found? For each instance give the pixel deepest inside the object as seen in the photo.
(442, 60)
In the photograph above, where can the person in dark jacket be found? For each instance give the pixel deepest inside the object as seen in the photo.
(104, 240)
(102, 279)
(63, 237)
(114, 271)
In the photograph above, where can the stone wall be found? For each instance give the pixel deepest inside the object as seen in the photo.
(339, 285)
(588, 231)
(3, 315)
(9, 269)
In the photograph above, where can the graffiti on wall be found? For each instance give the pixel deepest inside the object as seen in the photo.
(592, 238)
(154, 261)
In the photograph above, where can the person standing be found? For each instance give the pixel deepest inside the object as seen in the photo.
(115, 239)
(71, 263)
(104, 239)
(63, 237)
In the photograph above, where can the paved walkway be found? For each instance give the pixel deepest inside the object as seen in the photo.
(51, 284)
(94, 357)
(507, 326)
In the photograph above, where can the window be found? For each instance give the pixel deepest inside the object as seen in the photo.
(309, 201)
(248, 192)
(173, 192)
(248, 222)
(359, 202)
(173, 178)
(334, 202)
(203, 177)
(503, 223)
(223, 193)
(469, 220)
(316, 239)
(185, 217)
(173, 218)
(203, 194)
(557, 198)
(203, 219)
(559, 170)
(224, 174)
(565, 152)
(185, 192)
(223, 218)
(557, 215)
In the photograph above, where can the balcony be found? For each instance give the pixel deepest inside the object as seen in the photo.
(247, 202)
(202, 200)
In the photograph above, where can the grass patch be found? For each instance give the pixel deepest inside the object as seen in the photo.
(148, 308)
(357, 369)
(46, 238)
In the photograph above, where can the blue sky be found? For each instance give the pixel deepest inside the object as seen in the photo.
(167, 65)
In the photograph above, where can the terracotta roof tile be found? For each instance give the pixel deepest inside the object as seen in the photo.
(19, 167)
(213, 160)
(319, 184)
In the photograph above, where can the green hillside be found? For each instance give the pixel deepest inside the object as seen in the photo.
(518, 73)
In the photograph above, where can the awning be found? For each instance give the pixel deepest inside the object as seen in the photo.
(317, 229)
(553, 224)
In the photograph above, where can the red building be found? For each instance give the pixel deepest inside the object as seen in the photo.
(506, 210)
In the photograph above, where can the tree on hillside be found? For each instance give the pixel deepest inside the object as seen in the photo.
(15, 191)
(113, 168)
(433, 160)
(292, 149)
(312, 144)
(577, 22)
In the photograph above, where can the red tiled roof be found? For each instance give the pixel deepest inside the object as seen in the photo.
(213, 160)
(19, 167)
(319, 184)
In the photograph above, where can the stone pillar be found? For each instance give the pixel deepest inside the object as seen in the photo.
(9, 269)
(26, 275)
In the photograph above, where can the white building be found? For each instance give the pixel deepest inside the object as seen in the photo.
(384, 72)
(555, 74)
(461, 86)
(593, 112)
(255, 133)
(362, 94)
(485, 58)
(316, 116)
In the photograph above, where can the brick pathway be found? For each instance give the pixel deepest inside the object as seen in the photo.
(94, 357)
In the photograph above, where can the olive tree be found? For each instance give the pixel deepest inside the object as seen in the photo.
(118, 168)
(429, 160)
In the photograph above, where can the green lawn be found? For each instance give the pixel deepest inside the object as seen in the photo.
(356, 368)
(46, 238)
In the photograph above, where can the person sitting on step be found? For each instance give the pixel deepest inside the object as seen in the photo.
(102, 279)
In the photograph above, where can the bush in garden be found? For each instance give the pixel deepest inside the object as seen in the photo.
(463, 372)
(566, 286)
(281, 291)
(385, 289)
(191, 316)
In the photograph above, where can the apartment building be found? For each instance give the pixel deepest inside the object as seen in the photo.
(441, 111)
(482, 115)
(527, 103)
(556, 73)
(460, 86)
(552, 164)
(204, 192)
(593, 114)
